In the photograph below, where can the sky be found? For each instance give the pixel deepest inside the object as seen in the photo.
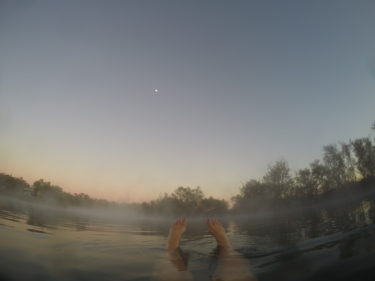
(241, 84)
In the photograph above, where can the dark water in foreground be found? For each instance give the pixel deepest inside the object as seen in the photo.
(331, 243)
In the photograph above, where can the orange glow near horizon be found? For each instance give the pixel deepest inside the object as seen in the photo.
(112, 179)
(112, 191)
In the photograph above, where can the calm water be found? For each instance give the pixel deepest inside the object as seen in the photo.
(331, 243)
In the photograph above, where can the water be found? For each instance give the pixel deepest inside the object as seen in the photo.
(332, 243)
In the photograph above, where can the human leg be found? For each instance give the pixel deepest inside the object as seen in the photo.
(231, 265)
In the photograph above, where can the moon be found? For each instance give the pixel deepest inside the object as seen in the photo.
(156, 91)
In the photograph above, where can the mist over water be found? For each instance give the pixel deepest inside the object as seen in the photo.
(314, 243)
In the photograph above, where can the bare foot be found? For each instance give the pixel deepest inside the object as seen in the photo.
(217, 230)
(175, 233)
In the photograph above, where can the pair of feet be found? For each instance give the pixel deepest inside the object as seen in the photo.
(179, 226)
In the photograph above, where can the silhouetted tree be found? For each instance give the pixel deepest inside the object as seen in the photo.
(306, 185)
(13, 186)
(338, 165)
(213, 206)
(320, 175)
(188, 199)
(278, 180)
(364, 151)
(42, 188)
(347, 155)
(252, 196)
(189, 196)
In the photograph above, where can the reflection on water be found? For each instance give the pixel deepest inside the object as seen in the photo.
(336, 242)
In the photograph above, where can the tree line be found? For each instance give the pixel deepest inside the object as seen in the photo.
(43, 191)
(344, 167)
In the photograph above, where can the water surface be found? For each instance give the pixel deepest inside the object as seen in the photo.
(332, 243)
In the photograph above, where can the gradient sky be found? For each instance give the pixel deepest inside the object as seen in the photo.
(241, 84)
